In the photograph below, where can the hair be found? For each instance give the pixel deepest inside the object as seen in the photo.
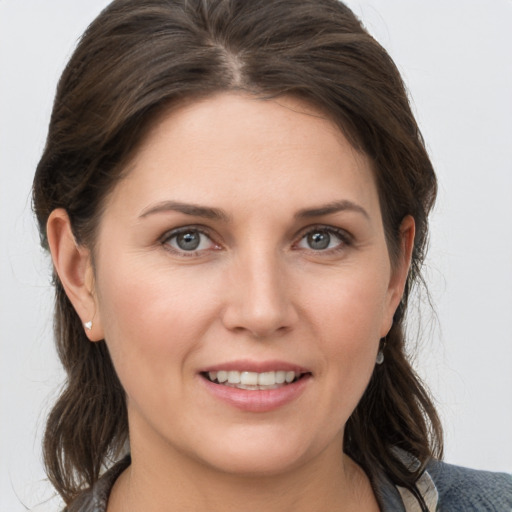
(136, 60)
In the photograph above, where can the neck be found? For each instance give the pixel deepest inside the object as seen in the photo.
(332, 481)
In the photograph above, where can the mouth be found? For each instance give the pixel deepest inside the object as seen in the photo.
(254, 381)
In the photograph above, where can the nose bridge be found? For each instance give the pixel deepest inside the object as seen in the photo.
(260, 301)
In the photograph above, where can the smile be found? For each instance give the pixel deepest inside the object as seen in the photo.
(253, 381)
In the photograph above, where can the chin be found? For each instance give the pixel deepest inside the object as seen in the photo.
(260, 454)
(256, 465)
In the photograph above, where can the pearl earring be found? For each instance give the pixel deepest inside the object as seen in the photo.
(380, 354)
(88, 325)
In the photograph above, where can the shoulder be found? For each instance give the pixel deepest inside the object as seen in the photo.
(95, 499)
(470, 490)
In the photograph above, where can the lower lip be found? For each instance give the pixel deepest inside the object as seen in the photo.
(258, 400)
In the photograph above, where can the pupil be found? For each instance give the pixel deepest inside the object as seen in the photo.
(319, 240)
(188, 241)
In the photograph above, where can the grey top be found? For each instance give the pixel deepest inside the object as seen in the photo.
(445, 488)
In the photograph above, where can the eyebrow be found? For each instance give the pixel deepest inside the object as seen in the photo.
(218, 214)
(186, 208)
(334, 207)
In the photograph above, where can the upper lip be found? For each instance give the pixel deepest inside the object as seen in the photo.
(246, 365)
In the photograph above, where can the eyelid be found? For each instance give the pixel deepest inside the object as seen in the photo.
(168, 235)
(183, 229)
(345, 237)
(341, 233)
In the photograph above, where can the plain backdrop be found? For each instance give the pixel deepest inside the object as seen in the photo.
(455, 56)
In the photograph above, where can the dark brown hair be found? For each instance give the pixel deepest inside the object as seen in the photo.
(134, 61)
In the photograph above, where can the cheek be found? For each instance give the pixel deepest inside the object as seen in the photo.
(152, 319)
(348, 322)
(353, 307)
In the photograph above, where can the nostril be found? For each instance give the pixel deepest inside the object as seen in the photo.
(259, 301)
(259, 323)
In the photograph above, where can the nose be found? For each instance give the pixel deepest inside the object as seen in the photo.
(260, 297)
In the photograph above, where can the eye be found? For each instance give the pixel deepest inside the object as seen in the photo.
(188, 240)
(323, 239)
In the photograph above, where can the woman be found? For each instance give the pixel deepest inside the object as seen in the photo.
(235, 196)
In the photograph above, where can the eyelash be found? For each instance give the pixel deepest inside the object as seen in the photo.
(186, 229)
(345, 238)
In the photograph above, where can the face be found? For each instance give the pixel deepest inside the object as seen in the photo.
(242, 284)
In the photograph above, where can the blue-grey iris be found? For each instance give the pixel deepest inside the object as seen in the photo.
(319, 240)
(188, 241)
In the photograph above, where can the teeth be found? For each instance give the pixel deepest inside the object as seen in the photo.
(267, 379)
(249, 378)
(253, 380)
(234, 377)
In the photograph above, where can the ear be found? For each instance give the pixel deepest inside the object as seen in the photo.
(74, 268)
(400, 270)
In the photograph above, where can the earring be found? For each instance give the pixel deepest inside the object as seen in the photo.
(380, 353)
(88, 325)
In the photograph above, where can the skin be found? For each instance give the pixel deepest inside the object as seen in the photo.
(254, 290)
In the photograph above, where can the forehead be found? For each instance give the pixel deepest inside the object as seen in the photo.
(238, 148)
